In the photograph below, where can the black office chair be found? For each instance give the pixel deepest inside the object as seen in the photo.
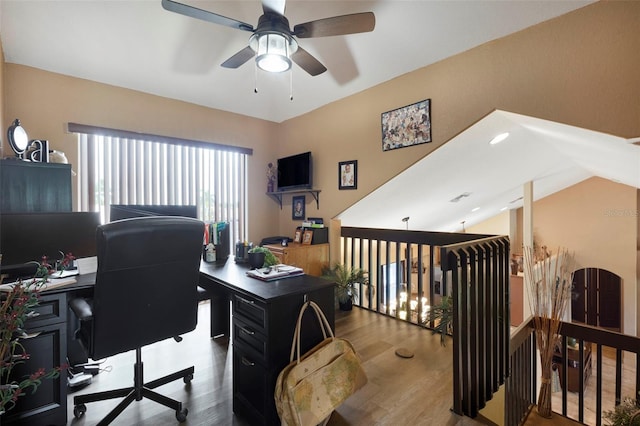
(145, 292)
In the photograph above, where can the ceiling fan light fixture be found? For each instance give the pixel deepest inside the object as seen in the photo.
(273, 51)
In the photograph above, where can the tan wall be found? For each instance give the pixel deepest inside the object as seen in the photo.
(45, 102)
(497, 225)
(595, 219)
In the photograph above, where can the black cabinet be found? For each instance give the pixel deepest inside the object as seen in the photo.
(34, 187)
(264, 316)
(48, 406)
(262, 336)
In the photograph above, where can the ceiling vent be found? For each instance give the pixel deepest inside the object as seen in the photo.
(459, 197)
(516, 200)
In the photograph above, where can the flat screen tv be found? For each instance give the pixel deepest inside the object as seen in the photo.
(295, 172)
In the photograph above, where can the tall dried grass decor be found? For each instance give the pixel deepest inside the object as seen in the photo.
(550, 277)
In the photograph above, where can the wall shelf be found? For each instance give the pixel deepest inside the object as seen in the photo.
(277, 195)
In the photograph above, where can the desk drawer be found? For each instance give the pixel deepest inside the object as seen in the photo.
(51, 309)
(251, 312)
(252, 393)
(250, 340)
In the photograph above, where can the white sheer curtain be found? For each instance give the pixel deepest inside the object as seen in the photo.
(119, 167)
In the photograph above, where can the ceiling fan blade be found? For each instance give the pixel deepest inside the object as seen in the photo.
(275, 6)
(338, 25)
(205, 15)
(307, 62)
(239, 58)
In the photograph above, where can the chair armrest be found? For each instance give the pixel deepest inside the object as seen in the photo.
(82, 309)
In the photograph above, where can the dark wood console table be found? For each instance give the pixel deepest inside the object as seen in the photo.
(264, 316)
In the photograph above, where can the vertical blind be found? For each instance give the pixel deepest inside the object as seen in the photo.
(120, 167)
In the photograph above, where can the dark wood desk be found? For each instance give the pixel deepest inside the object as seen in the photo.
(264, 315)
(49, 349)
(263, 320)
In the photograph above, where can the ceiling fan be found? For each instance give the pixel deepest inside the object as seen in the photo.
(274, 43)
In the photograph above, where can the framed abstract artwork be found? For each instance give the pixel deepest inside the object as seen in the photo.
(406, 126)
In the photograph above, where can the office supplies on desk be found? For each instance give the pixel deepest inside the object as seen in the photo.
(65, 274)
(49, 285)
(275, 272)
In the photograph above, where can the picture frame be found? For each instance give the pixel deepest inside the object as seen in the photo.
(348, 174)
(298, 205)
(406, 126)
(307, 236)
(298, 236)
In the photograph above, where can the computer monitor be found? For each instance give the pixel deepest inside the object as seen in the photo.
(26, 237)
(127, 211)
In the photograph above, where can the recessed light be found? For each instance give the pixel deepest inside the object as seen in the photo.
(475, 209)
(504, 208)
(499, 138)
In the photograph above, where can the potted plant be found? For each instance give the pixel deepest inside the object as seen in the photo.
(260, 257)
(346, 279)
(441, 315)
(16, 306)
(627, 413)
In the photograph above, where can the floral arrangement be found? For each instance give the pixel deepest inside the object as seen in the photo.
(16, 307)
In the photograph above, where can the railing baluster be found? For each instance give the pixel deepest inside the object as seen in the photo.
(618, 376)
(599, 385)
(581, 380)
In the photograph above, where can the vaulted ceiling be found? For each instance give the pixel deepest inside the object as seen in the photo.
(141, 46)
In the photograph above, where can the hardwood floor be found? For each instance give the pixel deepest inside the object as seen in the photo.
(414, 391)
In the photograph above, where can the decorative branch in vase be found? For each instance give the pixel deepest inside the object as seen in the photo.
(550, 278)
(17, 305)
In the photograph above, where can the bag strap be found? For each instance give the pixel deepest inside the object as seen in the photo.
(324, 326)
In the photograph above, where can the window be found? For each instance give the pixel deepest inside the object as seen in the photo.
(120, 167)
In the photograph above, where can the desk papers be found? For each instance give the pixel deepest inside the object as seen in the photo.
(275, 272)
(49, 285)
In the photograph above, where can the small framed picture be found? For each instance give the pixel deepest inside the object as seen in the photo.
(297, 207)
(298, 236)
(307, 236)
(348, 174)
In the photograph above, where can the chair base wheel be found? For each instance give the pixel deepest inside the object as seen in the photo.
(79, 410)
(188, 379)
(181, 415)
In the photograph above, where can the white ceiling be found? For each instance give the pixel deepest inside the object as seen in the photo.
(553, 156)
(137, 44)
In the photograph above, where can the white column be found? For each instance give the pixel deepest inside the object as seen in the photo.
(527, 239)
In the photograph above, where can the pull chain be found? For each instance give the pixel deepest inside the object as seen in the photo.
(255, 77)
(291, 84)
